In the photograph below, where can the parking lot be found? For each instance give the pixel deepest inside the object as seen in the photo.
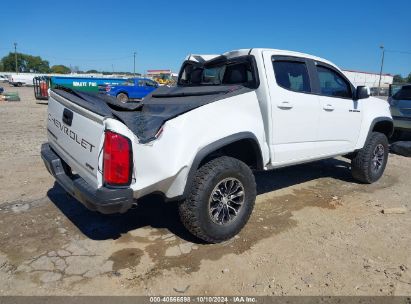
(314, 231)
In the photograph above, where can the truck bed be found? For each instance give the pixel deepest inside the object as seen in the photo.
(145, 119)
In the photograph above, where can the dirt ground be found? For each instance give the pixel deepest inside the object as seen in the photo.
(314, 231)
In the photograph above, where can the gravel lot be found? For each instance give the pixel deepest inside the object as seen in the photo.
(314, 231)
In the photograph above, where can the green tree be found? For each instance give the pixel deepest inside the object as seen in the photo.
(408, 79)
(92, 71)
(398, 79)
(25, 63)
(60, 69)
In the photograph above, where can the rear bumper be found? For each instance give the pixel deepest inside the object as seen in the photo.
(402, 122)
(105, 200)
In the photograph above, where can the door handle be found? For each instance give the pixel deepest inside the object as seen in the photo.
(328, 107)
(285, 105)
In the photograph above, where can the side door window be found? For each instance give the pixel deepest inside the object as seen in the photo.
(150, 83)
(292, 75)
(332, 84)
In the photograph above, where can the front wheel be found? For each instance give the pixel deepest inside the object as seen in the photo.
(122, 97)
(221, 200)
(369, 163)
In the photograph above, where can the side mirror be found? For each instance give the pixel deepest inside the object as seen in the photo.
(362, 92)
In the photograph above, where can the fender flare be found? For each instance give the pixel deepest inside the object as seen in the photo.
(216, 145)
(377, 120)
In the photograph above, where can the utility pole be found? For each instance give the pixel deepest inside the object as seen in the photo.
(382, 64)
(15, 56)
(134, 69)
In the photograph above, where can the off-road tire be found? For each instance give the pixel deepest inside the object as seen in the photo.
(362, 163)
(122, 97)
(195, 210)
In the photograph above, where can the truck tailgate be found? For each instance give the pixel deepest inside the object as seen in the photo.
(76, 134)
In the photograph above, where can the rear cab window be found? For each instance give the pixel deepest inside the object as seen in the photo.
(292, 75)
(220, 71)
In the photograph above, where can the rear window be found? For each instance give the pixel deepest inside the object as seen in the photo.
(404, 93)
(220, 71)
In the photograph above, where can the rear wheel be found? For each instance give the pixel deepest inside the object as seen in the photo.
(369, 163)
(221, 200)
(122, 97)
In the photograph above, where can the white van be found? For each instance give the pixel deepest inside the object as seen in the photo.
(19, 80)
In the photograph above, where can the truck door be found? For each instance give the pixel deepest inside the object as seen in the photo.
(150, 86)
(340, 114)
(137, 90)
(143, 87)
(295, 110)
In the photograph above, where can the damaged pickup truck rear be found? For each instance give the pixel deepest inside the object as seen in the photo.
(199, 142)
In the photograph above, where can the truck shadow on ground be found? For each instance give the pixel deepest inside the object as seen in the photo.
(401, 144)
(153, 211)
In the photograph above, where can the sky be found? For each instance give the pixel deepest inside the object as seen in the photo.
(104, 34)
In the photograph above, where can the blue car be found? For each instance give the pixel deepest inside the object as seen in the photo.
(132, 89)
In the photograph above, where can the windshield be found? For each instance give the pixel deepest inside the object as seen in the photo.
(404, 93)
(220, 71)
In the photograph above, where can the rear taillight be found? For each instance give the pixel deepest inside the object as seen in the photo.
(117, 159)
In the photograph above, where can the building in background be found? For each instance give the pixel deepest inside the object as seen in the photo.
(158, 73)
(371, 80)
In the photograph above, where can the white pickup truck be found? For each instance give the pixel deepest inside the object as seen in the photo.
(199, 142)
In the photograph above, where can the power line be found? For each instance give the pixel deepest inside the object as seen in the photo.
(400, 52)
